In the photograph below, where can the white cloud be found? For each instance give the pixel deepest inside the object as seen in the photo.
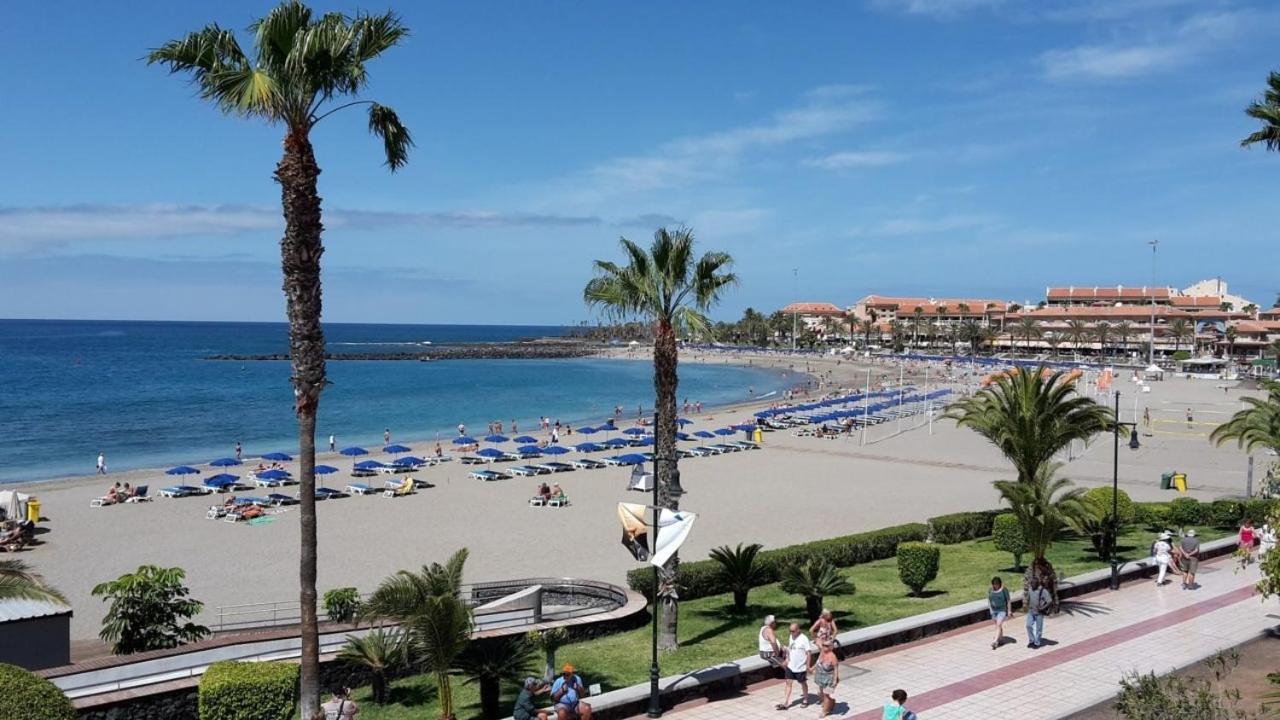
(1097, 61)
(937, 8)
(907, 226)
(857, 159)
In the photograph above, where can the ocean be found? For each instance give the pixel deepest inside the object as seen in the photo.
(142, 394)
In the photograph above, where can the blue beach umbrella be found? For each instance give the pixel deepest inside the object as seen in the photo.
(588, 447)
(525, 439)
(221, 480)
(489, 452)
(635, 431)
(683, 436)
(529, 450)
(182, 470)
(278, 457)
(588, 430)
(225, 462)
(705, 434)
(369, 465)
(496, 438)
(617, 442)
(464, 440)
(353, 451)
(554, 450)
(646, 440)
(409, 460)
(274, 475)
(744, 427)
(683, 421)
(725, 431)
(396, 449)
(326, 469)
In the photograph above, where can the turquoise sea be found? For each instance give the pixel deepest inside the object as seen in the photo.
(140, 392)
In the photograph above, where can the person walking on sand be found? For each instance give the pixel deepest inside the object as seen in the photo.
(1038, 602)
(333, 443)
(239, 450)
(102, 464)
(386, 436)
(1163, 553)
(1190, 551)
(998, 606)
(1190, 419)
(799, 655)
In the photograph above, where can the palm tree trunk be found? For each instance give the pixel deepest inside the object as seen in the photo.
(665, 382)
(300, 251)
(489, 698)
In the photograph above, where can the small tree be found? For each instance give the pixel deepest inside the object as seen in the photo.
(1150, 697)
(149, 610)
(549, 641)
(381, 652)
(342, 604)
(492, 662)
(739, 570)
(917, 565)
(815, 580)
(1096, 522)
(1185, 512)
(1007, 534)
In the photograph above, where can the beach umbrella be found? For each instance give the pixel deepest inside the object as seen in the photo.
(588, 447)
(554, 450)
(225, 462)
(464, 440)
(221, 479)
(496, 438)
(635, 431)
(704, 434)
(409, 460)
(182, 470)
(588, 430)
(647, 440)
(353, 451)
(683, 436)
(274, 475)
(725, 431)
(744, 427)
(525, 439)
(617, 442)
(489, 452)
(326, 469)
(368, 465)
(529, 450)
(683, 421)
(395, 449)
(278, 457)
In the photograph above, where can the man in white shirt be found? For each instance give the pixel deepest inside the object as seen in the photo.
(102, 464)
(799, 658)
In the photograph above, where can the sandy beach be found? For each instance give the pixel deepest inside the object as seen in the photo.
(795, 489)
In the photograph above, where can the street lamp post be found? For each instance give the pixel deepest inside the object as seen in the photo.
(1115, 493)
(675, 490)
(795, 314)
(1151, 345)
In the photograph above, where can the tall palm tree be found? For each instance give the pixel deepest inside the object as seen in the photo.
(490, 663)
(1045, 506)
(1053, 340)
(987, 337)
(867, 327)
(1230, 335)
(1267, 111)
(301, 67)
(971, 333)
(671, 289)
(1028, 329)
(19, 582)
(1181, 329)
(1258, 425)
(917, 322)
(1102, 333)
(1031, 415)
(1123, 330)
(1077, 333)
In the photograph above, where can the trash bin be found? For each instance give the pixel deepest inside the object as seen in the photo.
(1166, 481)
(33, 510)
(758, 436)
(1180, 482)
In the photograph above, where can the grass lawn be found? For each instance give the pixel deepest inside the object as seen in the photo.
(711, 633)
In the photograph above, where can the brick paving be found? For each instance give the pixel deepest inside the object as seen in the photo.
(1096, 639)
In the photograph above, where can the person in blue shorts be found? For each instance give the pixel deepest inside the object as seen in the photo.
(567, 692)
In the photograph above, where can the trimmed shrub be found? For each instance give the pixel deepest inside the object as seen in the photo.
(959, 527)
(918, 564)
(1098, 501)
(1259, 511)
(341, 604)
(1226, 513)
(1153, 516)
(703, 578)
(27, 696)
(1185, 512)
(1007, 534)
(249, 691)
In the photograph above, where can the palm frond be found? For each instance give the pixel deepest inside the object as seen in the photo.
(19, 582)
(384, 123)
(375, 34)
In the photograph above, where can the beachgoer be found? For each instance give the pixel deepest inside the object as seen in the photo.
(566, 693)
(998, 605)
(824, 628)
(525, 708)
(386, 436)
(826, 675)
(1146, 417)
(1266, 540)
(1038, 601)
(1190, 421)
(126, 492)
(462, 429)
(1190, 551)
(1163, 553)
(439, 451)
(797, 669)
(1246, 538)
(333, 443)
(239, 450)
(767, 642)
(113, 495)
(514, 430)
(896, 708)
(102, 464)
(556, 490)
(340, 706)
(555, 436)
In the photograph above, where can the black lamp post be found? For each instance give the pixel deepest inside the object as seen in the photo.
(1115, 491)
(675, 491)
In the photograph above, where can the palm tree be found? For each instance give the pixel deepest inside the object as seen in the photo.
(1031, 415)
(867, 327)
(440, 631)
(403, 594)
(939, 326)
(1028, 329)
(1123, 331)
(19, 582)
(899, 331)
(1181, 329)
(740, 570)
(1053, 340)
(917, 322)
(971, 332)
(987, 336)
(1258, 425)
(1078, 333)
(815, 580)
(1102, 333)
(380, 652)
(1267, 111)
(1251, 310)
(490, 663)
(963, 308)
(672, 290)
(301, 66)
(1044, 506)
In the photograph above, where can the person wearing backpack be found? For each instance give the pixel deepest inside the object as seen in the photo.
(340, 706)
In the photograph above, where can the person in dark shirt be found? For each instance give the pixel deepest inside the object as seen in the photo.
(525, 708)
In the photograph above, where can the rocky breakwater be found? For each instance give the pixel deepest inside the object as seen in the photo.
(526, 350)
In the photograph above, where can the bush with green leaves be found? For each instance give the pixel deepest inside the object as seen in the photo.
(1098, 501)
(27, 696)
(918, 565)
(1225, 513)
(249, 691)
(149, 610)
(1259, 510)
(961, 526)
(1007, 534)
(1185, 512)
(494, 662)
(1151, 515)
(1175, 697)
(739, 570)
(342, 604)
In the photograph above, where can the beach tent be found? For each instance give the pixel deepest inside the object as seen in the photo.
(14, 504)
(640, 480)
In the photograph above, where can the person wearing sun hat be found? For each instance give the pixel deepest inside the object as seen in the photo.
(1162, 550)
(1190, 551)
(567, 692)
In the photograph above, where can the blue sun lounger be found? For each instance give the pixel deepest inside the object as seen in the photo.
(278, 499)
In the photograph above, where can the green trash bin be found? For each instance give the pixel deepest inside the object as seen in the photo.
(1166, 481)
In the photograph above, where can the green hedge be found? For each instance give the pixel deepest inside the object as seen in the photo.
(918, 564)
(1098, 500)
(703, 578)
(1152, 515)
(249, 691)
(959, 527)
(27, 696)
(1186, 511)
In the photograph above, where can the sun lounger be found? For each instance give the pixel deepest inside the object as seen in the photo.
(744, 445)
(587, 464)
(267, 482)
(278, 499)
(528, 470)
(727, 447)
(324, 493)
(177, 491)
(558, 501)
(488, 475)
(556, 467)
(363, 472)
(704, 450)
(507, 457)
(537, 501)
(139, 495)
(359, 489)
(391, 488)
(473, 460)
(101, 502)
(221, 485)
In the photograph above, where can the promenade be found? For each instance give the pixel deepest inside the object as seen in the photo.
(1089, 647)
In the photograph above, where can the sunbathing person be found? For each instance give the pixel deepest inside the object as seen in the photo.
(405, 487)
(250, 512)
(11, 539)
(113, 495)
(544, 492)
(556, 491)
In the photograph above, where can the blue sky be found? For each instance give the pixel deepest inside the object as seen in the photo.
(923, 147)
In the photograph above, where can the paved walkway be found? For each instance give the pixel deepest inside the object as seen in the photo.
(1096, 640)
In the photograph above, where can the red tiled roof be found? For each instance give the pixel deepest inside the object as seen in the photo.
(1208, 301)
(1118, 292)
(1271, 313)
(811, 308)
(1254, 327)
(930, 305)
(1102, 313)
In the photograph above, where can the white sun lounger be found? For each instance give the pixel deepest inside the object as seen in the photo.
(587, 464)
(556, 467)
(473, 460)
(488, 475)
(528, 470)
(359, 489)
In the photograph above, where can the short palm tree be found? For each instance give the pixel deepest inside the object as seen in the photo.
(1230, 335)
(1078, 333)
(1031, 415)
(671, 289)
(1181, 329)
(439, 633)
(302, 66)
(1123, 330)
(380, 652)
(19, 582)
(1267, 111)
(1258, 425)
(1052, 340)
(867, 327)
(1102, 333)
(814, 580)
(403, 594)
(490, 663)
(970, 333)
(740, 570)
(1028, 329)
(1045, 506)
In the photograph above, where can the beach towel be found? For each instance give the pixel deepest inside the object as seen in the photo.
(635, 531)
